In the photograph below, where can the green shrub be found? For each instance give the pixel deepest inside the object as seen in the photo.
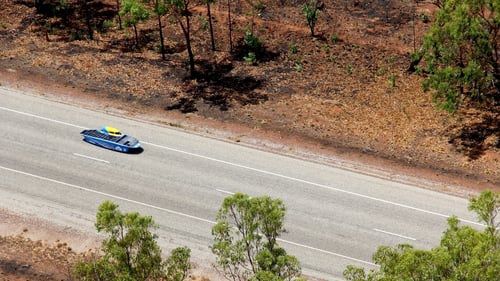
(177, 265)
(334, 38)
(298, 66)
(251, 58)
(251, 41)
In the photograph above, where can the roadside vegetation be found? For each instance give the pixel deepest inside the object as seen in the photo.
(245, 244)
(246, 247)
(346, 74)
(465, 253)
(130, 251)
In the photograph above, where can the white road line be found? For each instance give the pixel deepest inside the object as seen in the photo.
(326, 252)
(107, 194)
(266, 172)
(92, 158)
(310, 183)
(171, 211)
(41, 117)
(395, 234)
(224, 191)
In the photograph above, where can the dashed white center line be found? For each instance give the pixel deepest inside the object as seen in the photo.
(380, 200)
(395, 234)
(92, 158)
(224, 191)
(172, 211)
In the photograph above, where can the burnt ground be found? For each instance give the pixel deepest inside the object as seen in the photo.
(347, 88)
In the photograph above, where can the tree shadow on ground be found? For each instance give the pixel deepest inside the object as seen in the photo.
(262, 53)
(476, 138)
(217, 87)
(388, 11)
(68, 21)
(147, 38)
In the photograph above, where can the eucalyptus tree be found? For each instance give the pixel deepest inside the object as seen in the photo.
(461, 52)
(180, 10)
(209, 15)
(134, 12)
(246, 240)
(311, 10)
(464, 253)
(160, 10)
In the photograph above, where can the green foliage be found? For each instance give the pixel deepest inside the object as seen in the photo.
(460, 51)
(334, 38)
(177, 265)
(463, 254)
(133, 11)
(160, 7)
(203, 23)
(487, 207)
(298, 66)
(311, 11)
(245, 240)
(251, 41)
(251, 58)
(106, 25)
(130, 249)
(325, 48)
(293, 48)
(349, 69)
(392, 80)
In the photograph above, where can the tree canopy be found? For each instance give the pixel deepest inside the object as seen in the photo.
(461, 52)
(130, 251)
(464, 253)
(245, 240)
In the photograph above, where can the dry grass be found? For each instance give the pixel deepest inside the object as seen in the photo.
(354, 92)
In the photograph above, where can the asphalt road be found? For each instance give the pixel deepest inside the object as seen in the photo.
(335, 217)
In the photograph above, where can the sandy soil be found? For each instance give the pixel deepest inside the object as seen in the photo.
(339, 108)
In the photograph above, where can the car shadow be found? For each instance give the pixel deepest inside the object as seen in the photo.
(136, 150)
(130, 151)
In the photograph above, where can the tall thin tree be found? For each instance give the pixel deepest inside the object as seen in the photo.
(182, 14)
(118, 12)
(230, 26)
(209, 15)
(160, 10)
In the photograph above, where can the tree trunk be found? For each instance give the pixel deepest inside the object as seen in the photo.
(186, 30)
(88, 20)
(414, 12)
(136, 36)
(209, 14)
(188, 45)
(230, 26)
(415, 61)
(118, 12)
(162, 46)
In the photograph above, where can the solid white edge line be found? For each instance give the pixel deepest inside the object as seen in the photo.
(224, 191)
(395, 234)
(92, 158)
(326, 252)
(310, 183)
(41, 117)
(107, 195)
(170, 211)
(265, 172)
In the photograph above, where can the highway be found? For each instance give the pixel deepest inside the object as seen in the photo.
(335, 217)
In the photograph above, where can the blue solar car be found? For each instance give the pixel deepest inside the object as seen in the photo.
(111, 138)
